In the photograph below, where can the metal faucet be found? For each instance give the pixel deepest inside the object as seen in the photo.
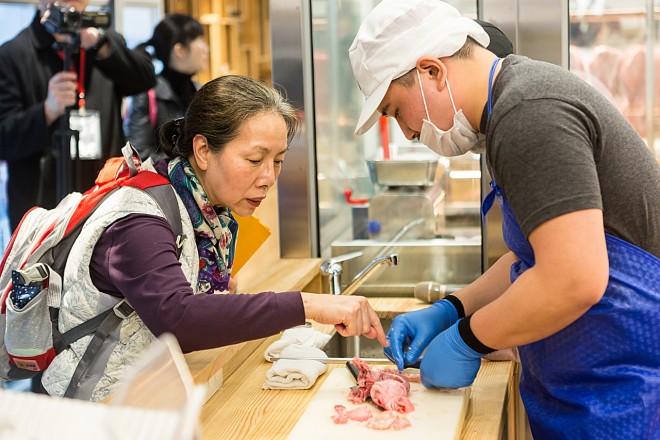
(333, 269)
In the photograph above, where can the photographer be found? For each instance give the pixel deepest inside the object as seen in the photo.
(35, 92)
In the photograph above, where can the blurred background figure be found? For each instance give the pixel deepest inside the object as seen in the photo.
(608, 49)
(178, 43)
(35, 93)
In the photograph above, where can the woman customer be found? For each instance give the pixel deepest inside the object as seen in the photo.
(178, 43)
(222, 158)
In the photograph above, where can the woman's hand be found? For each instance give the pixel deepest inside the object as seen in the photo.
(351, 315)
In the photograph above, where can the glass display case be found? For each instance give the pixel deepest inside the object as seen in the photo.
(611, 44)
(377, 193)
(612, 47)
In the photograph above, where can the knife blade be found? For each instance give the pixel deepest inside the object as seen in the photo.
(324, 359)
(350, 366)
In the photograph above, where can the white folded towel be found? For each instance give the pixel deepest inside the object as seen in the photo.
(304, 336)
(288, 374)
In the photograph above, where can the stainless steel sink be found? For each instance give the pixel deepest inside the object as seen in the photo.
(455, 261)
(340, 346)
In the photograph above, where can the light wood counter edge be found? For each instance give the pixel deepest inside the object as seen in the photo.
(215, 365)
(244, 409)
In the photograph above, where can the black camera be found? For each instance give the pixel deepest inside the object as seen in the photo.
(64, 19)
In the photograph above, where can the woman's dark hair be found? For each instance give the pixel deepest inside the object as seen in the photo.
(218, 111)
(174, 29)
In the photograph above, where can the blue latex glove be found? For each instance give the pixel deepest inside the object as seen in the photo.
(410, 333)
(449, 362)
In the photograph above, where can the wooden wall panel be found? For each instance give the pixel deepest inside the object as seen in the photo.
(238, 33)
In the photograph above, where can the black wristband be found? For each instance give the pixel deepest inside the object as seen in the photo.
(470, 339)
(457, 304)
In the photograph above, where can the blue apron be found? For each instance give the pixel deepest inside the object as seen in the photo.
(600, 376)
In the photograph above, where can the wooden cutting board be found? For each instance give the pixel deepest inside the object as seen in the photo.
(439, 413)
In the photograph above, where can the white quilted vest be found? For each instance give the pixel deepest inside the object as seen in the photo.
(82, 301)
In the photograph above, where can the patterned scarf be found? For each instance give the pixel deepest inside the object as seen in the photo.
(215, 228)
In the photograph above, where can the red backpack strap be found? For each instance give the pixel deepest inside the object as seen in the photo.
(153, 107)
(144, 179)
(115, 171)
(109, 171)
(128, 164)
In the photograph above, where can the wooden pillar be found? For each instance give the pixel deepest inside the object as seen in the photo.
(238, 34)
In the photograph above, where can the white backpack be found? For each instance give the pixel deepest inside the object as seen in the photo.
(33, 267)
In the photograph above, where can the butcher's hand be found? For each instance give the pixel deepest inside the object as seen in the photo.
(449, 362)
(351, 315)
(411, 332)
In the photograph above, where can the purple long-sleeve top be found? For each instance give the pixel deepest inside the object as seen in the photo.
(135, 258)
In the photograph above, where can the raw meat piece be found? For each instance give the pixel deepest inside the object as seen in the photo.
(633, 79)
(368, 376)
(388, 420)
(359, 414)
(411, 375)
(339, 418)
(605, 65)
(388, 388)
(392, 395)
(388, 374)
(358, 395)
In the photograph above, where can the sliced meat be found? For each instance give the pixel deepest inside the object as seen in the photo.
(392, 395)
(411, 375)
(340, 418)
(359, 414)
(388, 420)
(388, 374)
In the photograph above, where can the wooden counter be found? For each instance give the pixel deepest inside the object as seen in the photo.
(241, 409)
(215, 365)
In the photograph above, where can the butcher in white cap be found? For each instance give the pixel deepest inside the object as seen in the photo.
(579, 191)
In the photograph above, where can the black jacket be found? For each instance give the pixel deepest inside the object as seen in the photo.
(138, 126)
(27, 62)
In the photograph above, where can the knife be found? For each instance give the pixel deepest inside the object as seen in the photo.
(324, 359)
(350, 366)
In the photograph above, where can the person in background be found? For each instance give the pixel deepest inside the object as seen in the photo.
(221, 159)
(178, 42)
(498, 43)
(579, 191)
(34, 93)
